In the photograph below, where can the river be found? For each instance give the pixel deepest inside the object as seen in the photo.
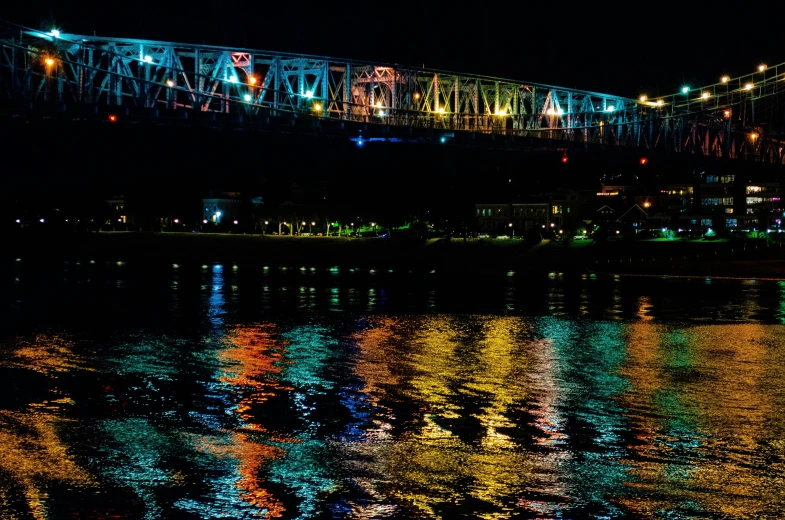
(242, 390)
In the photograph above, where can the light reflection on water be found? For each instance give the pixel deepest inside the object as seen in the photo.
(242, 392)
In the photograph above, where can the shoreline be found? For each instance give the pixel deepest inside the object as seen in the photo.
(731, 260)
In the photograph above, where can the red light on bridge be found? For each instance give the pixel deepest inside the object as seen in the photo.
(643, 160)
(564, 159)
(112, 118)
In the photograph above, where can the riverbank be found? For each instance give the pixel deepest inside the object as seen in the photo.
(742, 259)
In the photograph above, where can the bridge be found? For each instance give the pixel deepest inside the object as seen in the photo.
(737, 118)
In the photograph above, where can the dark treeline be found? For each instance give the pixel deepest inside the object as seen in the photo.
(75, 166)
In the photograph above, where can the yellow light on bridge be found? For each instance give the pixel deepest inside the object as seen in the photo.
(441, 110)
(727, 113)
(753, 136)
(660, 102)
(643, 98)
(416, 95)
(761, 67)
(549, 111)
(169, 83)
(49, 62)
(501, 112)
(725, 79)
(317, 107)
(378, 104)
(705, 95)
(748, 86)
(252, 80)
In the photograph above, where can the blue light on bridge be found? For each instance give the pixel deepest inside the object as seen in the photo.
(443, 140)
(685, 90)
(247, 97)
(55, 33)
(308, 94)
(610, 108)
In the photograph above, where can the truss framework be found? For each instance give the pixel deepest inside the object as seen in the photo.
(78, 69)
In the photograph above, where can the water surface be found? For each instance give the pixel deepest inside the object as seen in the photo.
(249, 391)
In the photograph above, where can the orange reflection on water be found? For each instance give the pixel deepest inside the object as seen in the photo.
(46, 354)
(710, 406)
(251, 364)
(250, 454)
(252, 361)
(32, 452)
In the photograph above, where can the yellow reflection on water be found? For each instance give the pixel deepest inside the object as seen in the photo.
(443, 364)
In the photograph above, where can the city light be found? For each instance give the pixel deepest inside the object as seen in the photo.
(564, 159)
(359, 142)
(684, 90)
(313, 223)
(218, 213)
(169, 83)
(18, 221)
(317, 107)
(49, 62)
(705, 95)
(549, 112)
(643, 160)
(643, 98)
(112, 118)
(761, 67)
(41, 220)
(727, 113)
(378, 104)
(235, 222)
(416, 95)
(176, 221)
(646, 204)
(660, 102)
(308, 94)
(252, 80)
(725, 79)
(204, 221)
(748, 86)
(443, 140)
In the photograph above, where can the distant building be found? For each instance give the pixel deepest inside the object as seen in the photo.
(514, 218)
(226, 207)
(118, 212)
(725, 203)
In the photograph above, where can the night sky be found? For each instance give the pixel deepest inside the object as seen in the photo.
(624, 49)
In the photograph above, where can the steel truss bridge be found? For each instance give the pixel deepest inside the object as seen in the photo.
(735, 118)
